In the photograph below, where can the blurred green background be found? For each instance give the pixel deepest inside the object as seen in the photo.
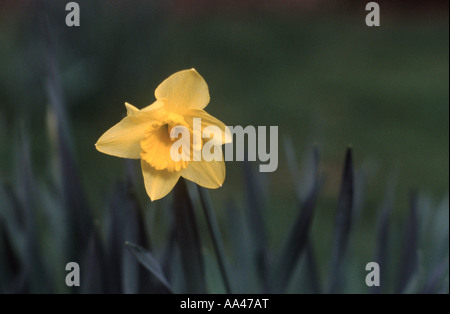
(312, 68)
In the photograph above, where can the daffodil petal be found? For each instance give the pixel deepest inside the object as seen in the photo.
(222, 137)
(123, 139)
(157, 105)
(209, 174)
(183, 90)
(131, 110)
(158, 183)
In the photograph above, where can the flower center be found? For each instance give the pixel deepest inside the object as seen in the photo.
(157, 143)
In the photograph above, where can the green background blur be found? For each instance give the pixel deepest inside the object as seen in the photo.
(312, 68)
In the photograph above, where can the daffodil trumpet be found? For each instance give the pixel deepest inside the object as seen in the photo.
(212, 149)
(202, 150)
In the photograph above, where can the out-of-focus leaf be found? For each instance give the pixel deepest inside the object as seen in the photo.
(78, 212)
(360, 179)
(307, 179)
(343, 223)
(418, 277)
(13, 213)
(216, 238)
(256, 224)
(435, 280)
(292, 162)
(381, 254)
(244, 274)
(408, 262)
(125, 222)
(39, 282)
(169, 253)
(188, 240)
(439, 231)
(311, 267)
(150, 263)
(133, 205)
(16, 241)
(131, 273)
(298, 236)
(74, 199)
(54, 235)
(9, 263)
(92, 268)
(115, 225)
(135, 279)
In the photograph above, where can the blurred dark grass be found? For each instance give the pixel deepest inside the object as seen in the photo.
(316, 71)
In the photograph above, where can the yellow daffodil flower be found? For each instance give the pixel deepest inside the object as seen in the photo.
(145, 134)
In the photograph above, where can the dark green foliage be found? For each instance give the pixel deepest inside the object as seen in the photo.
(188, 240)
(343, 223)
(409, 260)
(118, 257)
(297, 240)
(150, 263)
(216, 238)
(125, 244)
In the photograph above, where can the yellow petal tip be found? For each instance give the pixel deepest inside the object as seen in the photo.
(130, 109)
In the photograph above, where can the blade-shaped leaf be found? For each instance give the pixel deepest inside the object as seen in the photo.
(115, 223)
(215, 235)
(39, 279)
(169, 253)
(244, 274)
(150, 263)
(298, 236)
(409, 258)
(135, 279)
(188, 240)
(9, 263)
(313, 272)
(256, 224)
(383, 235)
(78, 212)
(13, 215)
(435, 280)
(343, 222)
(291, 160)
(92, 268)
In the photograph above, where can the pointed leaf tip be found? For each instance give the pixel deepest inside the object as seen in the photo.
(147, 260)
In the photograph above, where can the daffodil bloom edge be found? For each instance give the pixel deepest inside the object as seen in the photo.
(145, 134)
